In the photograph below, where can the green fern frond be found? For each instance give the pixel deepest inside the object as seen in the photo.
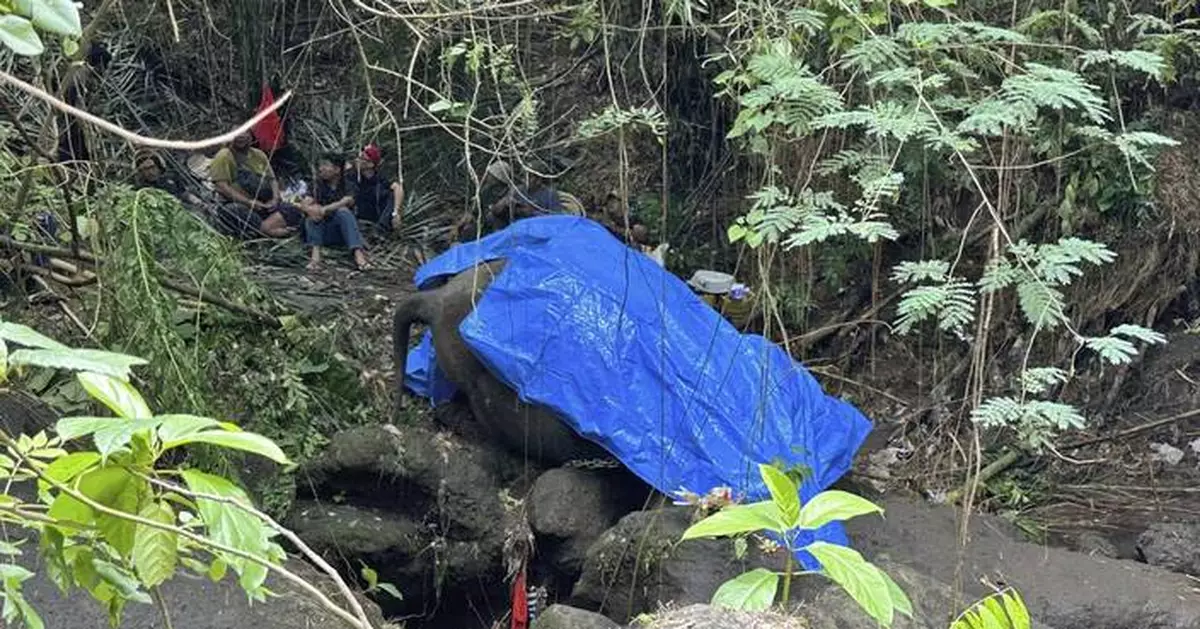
(1055, 20)
(873, 53)
(1116, 351)
(1037, 380)
(808, 20)
(1002, 610)
(930, 34)
(952, 303)
(1132, 143)
(1145, 335)
(991, 117)
(1143, 24)
(925, 270)
(1036, 421)
(1144, 61)
(984, 33)
(1055, 88)
(1042, 305)
(1000, 274)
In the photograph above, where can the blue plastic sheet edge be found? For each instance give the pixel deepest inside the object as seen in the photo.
(424, 378)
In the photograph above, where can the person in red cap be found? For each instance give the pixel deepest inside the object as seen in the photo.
(376, 199)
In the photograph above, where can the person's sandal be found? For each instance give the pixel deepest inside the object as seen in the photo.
(366, 266)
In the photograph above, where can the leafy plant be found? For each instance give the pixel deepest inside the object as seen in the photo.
(783, 517)
(1002, 610)
(20, 21)
(112, 519)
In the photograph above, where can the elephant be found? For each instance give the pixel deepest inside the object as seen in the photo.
(530, 430)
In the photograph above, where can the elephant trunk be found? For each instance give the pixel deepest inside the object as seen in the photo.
(414, 308)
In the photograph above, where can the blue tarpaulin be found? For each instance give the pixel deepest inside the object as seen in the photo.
(633, 360)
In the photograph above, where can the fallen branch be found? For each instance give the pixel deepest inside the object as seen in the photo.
(1135, 430)
(259, 316)
(181, 145)
(986, 474)
(179, 287)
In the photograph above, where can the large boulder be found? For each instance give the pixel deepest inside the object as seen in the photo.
(564, 617)
(1063, 588)
(570, 508)
(1174, 546)
(421, 507)
(198, 603)
(640, 564)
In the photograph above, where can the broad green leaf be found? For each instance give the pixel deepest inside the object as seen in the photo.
(232, 526)
(1016, 610)
(124, 583)
(738, 519)
(900, 600)
(56, 16)
(861, 580)
(832, 505)
(174, 427)
(155, 551)
(69, 428)
(27, 336)
(784, 492)
(17, 33)
(7, 548)
(117, 395)
(107, 363)
(216, 571)
(65, 469)
(370, 576)
(391, 589)
(247, 441)
(112, 437)
(15, 606)
(751, 591)
(13, 572)
(3, 361)
(112, 487)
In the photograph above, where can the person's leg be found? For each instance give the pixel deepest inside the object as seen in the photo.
(346, 228)
(315, 234)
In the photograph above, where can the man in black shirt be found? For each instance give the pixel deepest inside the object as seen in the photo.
(376, 199)
(330, 222)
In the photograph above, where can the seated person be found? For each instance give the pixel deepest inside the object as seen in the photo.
(329, 222)
(517, 202)
(376, 199)
(151, 173)
(244, 178)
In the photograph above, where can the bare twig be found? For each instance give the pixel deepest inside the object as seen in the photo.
(291, 537)
(182, 145)
(205, 542)
(1133, 431)
(179, 287)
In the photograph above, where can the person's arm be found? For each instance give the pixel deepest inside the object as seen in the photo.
(397, 204)
(344, 202)
(231, 192)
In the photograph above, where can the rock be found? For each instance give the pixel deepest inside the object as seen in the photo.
(564, 617)
(570, 508)
(1094, 544)
(421, 507)
(709, 617)
(640, 564)
(1064, 589)
(1175, 547)
(198, 603)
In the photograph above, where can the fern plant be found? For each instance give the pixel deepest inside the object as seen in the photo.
(1003, 610)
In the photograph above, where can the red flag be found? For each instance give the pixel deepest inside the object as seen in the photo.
(520, 602)
(268, 132)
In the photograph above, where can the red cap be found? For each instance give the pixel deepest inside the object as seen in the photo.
(371, 153)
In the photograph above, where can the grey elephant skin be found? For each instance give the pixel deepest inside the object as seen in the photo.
(530, 430)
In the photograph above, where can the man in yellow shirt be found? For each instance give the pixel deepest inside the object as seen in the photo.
(242, 175)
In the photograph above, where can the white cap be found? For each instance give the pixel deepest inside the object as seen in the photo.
(712, 282)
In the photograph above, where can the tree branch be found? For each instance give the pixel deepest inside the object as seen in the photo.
(182, 145)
